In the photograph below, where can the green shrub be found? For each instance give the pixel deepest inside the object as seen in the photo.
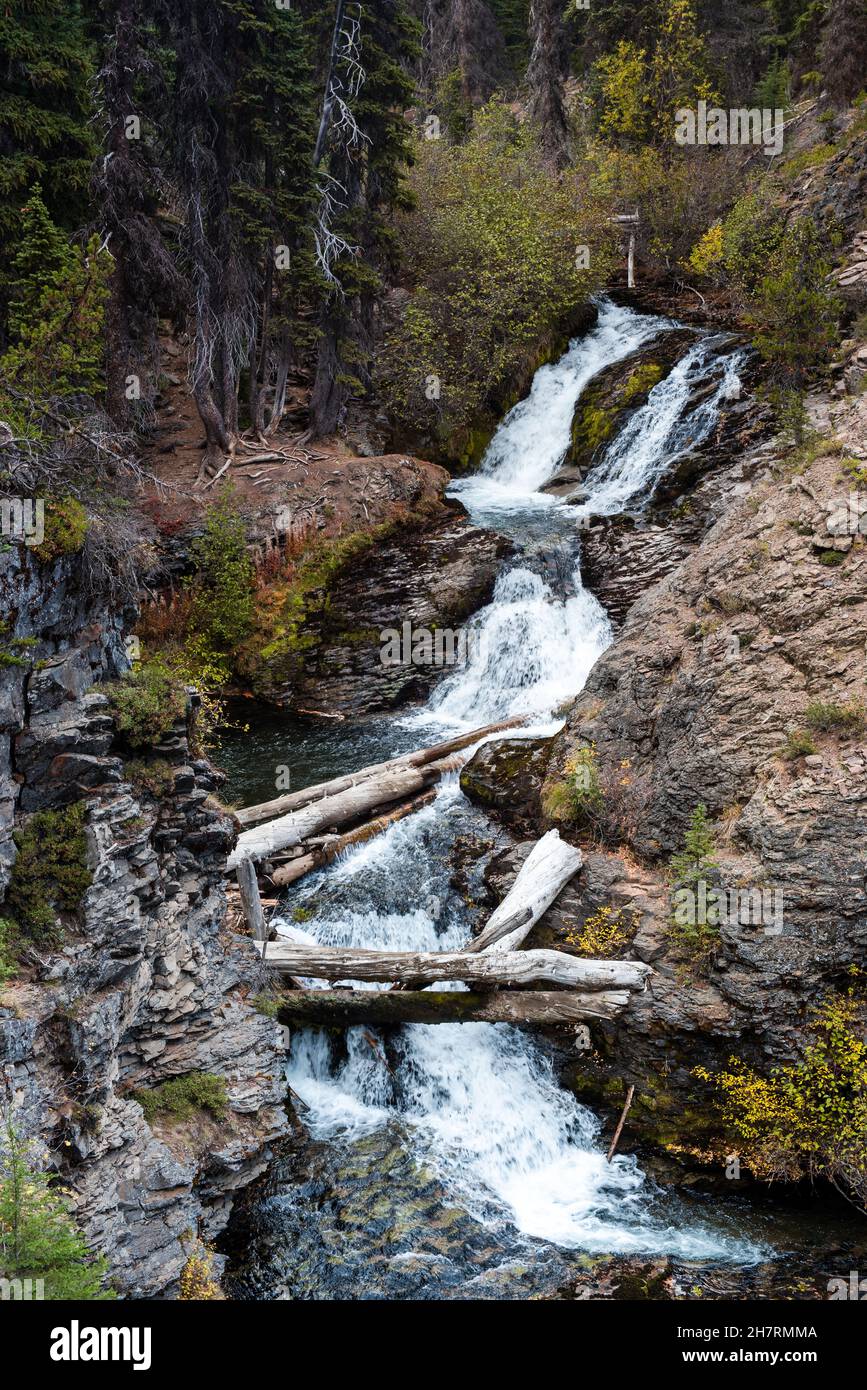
(832, 559)
(267, 1004)
(752, 233)
(578, 797)
(65, 529)
(12, 648)
(182, 1096)
(221, 589)
(799, 744)
(38, 1237)
(809, 1118)
(824, 716)
(794, 311)
(8, 960)
(50, 873)
(688, 868)
(148, 702)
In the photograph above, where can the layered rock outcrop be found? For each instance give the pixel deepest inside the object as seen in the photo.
(146, 984)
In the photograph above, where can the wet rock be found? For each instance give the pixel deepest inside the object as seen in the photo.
(714, 666)
(430, 580)
(505, 778)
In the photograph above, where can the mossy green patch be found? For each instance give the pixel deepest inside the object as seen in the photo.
(182, 1096)
(50, 874)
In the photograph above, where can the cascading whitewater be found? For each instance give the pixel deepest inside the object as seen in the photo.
(663, 429)
(532, 439)
(480, 1101)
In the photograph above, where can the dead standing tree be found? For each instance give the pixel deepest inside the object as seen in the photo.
(339, 190)
(545, 74)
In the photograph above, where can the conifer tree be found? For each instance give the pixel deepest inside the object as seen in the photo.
(238, 143)
(46, 58)
(463, 38)
(843, 52)
(368, 148)
(128, 188)
(272, 195)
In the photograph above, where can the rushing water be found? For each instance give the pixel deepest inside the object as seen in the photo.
(476, 1108)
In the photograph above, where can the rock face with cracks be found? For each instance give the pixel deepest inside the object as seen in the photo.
(147, 984)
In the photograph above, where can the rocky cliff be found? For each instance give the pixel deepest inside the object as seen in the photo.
(145, 984)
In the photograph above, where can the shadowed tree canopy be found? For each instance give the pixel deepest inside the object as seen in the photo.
(843, 53)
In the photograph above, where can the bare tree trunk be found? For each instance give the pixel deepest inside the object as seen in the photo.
(293, 801)
(545, 80)
(347, 806)
(328, 99)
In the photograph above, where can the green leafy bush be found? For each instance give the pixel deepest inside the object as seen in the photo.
(825, 716)
(799, 744)
(38, 1236)
(182, 1096)
(148, 702)
(50, 873)
(809, 1118)
(578, 797)
(491, 251)
(794, 311)
(65, 529)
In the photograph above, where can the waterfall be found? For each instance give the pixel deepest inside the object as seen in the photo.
(480, 1103)
(532, 439)
(664, 429)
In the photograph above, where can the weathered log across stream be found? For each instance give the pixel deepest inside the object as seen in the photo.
(341, 1008)
(290, 828)
(502, 968)
(600, 989)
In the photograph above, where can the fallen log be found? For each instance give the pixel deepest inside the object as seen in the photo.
(251, 902)
(293, 801)
(337, 810)
(427, 967)
(546, 870)
(342, 1008)
(336, 844)
(620, 1123)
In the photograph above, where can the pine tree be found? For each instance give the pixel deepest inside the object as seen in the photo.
(695, 862)
(843, 52)
(272, 197)
(127, 190)
(46, 58)
(41, 253)
(38, 1238)
(237, 145)
(545, 80)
